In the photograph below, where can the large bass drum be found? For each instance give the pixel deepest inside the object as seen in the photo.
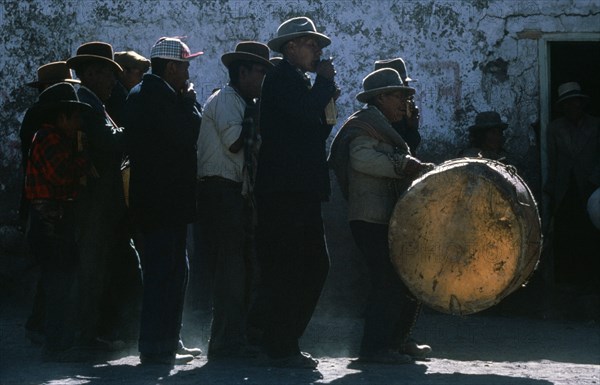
(465, 235)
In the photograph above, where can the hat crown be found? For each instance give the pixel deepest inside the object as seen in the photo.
(295, 25)
(96, 48)
(254, 48)
(488, 119)
(132, 59)
(385, 77)
(396, 64)
(59, 92)
(172, 48)
(568, 87)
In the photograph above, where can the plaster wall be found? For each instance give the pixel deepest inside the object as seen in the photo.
(468, 56)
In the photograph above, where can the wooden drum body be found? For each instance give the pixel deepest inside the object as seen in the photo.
(465, 235)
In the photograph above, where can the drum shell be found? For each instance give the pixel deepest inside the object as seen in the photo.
(465, 235)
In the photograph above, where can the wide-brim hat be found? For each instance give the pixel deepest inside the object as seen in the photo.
(172, 48)
(486, 120)
(295, 28)
(396, 64)
(53, 73)
(275, 60)
(570, 90)
(248, 51)
(382, 81)
(132, 59)
(60, 95)
(94, 51)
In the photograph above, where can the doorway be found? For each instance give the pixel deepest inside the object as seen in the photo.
(566, 58)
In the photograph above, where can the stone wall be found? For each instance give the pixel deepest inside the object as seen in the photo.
(468, 56)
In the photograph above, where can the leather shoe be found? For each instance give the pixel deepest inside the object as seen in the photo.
(192, 351)
(413, 349)
(301, 360)
(165, 359)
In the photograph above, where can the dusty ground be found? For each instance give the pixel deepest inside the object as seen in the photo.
(483, 349)
(510, 344)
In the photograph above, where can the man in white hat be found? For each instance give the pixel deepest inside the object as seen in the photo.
(162, 123)
(291, 182)
(225, 172)
(373, 166)
(573, 175)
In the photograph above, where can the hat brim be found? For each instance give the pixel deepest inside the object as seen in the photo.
(562, 99)
(365, 96)
(276, 43)
(76, 61)
(47, 106)
(230, 57)
(478, 127)
(39, 83)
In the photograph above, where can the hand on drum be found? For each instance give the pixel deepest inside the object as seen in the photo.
(414, 167)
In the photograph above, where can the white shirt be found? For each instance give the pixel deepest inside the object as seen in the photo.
(221, 127)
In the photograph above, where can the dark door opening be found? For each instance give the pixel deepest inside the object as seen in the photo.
(574, 266)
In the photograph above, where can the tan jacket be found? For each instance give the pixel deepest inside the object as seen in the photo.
(374, 155)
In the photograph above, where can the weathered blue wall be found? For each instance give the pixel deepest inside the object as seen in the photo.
(466, 55)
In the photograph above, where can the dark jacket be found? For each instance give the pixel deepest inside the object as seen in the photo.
(161, 130)
(292, 156)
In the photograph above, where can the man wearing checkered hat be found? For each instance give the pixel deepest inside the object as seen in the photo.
(162, 121)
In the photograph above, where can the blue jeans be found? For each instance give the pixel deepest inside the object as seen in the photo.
(165, 275)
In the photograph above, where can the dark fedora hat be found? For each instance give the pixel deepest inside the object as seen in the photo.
(382, 81)
(249, 51)
(488, 119)
(52, 73)
(94, 51)
(570, 90)
(396, 64)
(295, 28)
(60, 95)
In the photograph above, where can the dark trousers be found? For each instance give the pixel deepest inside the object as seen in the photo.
(223, 217)
(165, 274)
(391, 309)
(51, 237)
(293, 262)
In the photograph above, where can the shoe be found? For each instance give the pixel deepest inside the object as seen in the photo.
(191, 351)
(165, 359)
(389, 357)
(413, 349)
(301, 360)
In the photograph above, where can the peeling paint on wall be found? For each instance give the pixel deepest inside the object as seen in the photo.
(468, 56)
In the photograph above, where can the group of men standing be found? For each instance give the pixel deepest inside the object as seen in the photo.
(251, 164)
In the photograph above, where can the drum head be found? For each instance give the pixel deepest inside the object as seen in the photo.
(465, 235)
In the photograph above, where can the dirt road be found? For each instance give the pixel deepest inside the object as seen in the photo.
(478, 349)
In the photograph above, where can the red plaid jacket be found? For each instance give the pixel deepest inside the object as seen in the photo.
(54, 167)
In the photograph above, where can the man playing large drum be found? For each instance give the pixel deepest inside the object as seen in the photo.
(373, 165)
